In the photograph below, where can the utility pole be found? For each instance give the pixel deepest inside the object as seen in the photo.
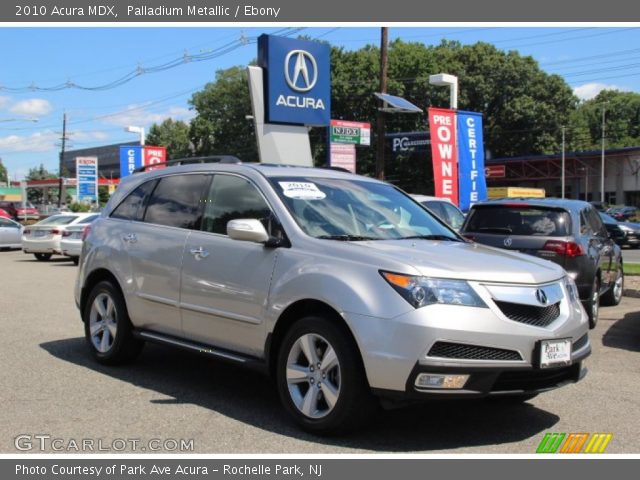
(64, 139)
(563, 179)
(384, 40)
(604, 104)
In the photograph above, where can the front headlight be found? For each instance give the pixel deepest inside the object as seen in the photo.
(572, 289)
(423, 291)
(625, 229)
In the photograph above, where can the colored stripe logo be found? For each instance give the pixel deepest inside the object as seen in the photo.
(574, 443)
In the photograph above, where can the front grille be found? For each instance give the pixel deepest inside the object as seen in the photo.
(535, 379)
(471, 352)
(581, 342)
(530, 314)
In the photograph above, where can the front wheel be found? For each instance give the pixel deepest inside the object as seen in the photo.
(614, 294)
(593, 304)
(108, 330)
(321, 379)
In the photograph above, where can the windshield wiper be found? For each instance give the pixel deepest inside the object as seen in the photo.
(431, 237)
(347, 238)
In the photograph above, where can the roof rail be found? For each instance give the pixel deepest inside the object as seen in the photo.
(191, 160)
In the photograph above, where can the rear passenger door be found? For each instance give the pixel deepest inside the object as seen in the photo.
(225, 282)
(602, 245)
(154, 244)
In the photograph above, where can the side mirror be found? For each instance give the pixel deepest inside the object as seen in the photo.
(248, 230)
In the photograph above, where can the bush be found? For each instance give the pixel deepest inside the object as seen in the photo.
(80, 207)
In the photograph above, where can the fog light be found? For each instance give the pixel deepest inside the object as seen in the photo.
(431, 380)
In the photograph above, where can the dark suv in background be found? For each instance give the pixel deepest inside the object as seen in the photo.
(567, 232)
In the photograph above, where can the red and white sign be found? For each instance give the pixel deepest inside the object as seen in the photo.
(153, 156)
(444, 153)
(495, 171)
(343, 156)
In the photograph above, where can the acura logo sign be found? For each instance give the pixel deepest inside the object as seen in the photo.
(297, 66)
(541, 296)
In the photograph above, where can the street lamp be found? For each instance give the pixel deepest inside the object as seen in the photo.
(139, 130)
(443, 80)
(18, 120)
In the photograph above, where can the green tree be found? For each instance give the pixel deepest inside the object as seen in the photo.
(220, 126)
(3, 174)
(173, 134)
(35, 195)
(622, 121)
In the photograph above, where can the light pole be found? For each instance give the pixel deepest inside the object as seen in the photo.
(139, 130)
(563, 179)
(604, 105)
(443, 80)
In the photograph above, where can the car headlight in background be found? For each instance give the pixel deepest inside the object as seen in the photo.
(625, 229)
(423, 291)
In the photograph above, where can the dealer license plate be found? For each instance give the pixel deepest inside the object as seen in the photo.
(76, 235)
(555, 352)
(38, 233)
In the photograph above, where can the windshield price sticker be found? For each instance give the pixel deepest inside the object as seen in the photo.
(555, 352)
(302, 190)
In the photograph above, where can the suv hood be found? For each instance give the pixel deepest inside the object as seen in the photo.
(466, 261)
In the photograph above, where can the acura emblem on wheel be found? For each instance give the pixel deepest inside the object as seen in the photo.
(508, 241)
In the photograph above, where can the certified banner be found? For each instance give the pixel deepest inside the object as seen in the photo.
(473, 184)
(444, 152)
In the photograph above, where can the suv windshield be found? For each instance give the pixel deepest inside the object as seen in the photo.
(341, 209)
(519, 220)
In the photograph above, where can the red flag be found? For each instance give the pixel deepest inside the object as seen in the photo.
(444, 152)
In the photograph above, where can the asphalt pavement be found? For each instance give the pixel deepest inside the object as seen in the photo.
(53, 390)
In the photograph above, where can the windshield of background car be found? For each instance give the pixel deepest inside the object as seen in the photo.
(607, 218)
(519, 220)
(58, 220)
(343, 209)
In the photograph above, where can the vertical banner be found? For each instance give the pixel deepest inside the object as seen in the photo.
(444, 152)
(473, 184)
(130, 159)
(154, 156)
(87, 179)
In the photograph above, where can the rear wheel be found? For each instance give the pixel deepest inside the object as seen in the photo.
(108, 330)
(614, 294)
(320, 378)
(43, 257)
(75, 260)
(593, 304)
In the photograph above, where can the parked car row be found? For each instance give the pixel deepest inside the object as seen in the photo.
(18, 210)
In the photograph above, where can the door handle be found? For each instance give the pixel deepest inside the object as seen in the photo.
(130, 238)
(199, 253)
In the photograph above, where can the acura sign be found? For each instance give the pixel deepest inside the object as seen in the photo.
(297, 80)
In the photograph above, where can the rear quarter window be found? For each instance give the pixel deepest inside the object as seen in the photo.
(533, 221)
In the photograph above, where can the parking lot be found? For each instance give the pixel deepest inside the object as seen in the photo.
(51, 386)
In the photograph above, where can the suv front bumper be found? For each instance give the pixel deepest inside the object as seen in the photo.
(395, 351)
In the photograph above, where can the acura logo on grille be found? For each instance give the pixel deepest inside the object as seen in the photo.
(508, 241)
(541, 296)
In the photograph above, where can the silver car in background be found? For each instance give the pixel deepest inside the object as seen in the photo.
(341, 287)
(42, 239)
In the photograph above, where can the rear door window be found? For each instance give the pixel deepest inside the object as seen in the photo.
(131, 208)
(177, 201)
(519, 220)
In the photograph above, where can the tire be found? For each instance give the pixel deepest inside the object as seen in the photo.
(75, 260)
(43, 257)
(333, 399)
(593, 304)
(613, 296)
(109, 334)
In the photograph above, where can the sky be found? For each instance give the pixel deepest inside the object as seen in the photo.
(97, 58)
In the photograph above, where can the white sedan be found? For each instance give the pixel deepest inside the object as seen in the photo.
(43, 238)
(10, 233)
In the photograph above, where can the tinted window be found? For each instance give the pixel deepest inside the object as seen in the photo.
(453, 215)
(595, 221)
(230, 198)
(89, 219)
(130, 207)
(176, 201)
(435, 207)
(58, 220)
(519, 220)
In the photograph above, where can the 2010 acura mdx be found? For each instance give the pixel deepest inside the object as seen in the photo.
(342, 287)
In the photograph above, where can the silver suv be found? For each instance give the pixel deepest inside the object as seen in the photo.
(342, 287)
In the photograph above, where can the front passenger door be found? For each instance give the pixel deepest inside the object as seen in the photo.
(225, 282)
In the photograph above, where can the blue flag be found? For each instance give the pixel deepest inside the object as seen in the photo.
(471, 178)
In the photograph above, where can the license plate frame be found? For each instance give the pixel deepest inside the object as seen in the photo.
(554, 352)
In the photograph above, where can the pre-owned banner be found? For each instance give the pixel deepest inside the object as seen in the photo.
(473, 185)
(442, 124)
